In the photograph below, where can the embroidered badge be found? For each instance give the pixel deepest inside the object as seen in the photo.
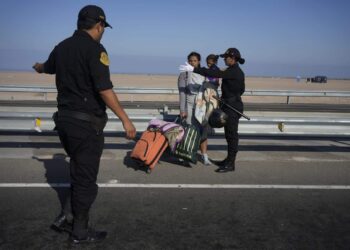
(104, 58)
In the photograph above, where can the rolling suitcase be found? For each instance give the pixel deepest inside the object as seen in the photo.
(149, 148)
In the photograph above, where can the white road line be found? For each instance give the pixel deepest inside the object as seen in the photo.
(179, 186)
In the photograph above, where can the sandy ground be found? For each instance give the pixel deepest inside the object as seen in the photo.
(170, 81)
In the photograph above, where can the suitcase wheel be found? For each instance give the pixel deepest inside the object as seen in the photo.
(148, 170)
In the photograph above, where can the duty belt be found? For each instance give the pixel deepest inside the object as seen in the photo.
(80, 116)
(233, 98)
(97, 122)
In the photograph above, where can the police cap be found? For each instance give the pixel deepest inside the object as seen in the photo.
(93, 13)
(231, 52)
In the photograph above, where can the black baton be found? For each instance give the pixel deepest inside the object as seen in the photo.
(229, 106)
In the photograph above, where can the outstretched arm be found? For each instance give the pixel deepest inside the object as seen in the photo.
(226, 74)
(49, 67)
(38, 67)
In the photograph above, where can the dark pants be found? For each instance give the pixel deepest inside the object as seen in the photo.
(84, 147)
(231, 129)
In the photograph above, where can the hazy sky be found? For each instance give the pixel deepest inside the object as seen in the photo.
(277, 38)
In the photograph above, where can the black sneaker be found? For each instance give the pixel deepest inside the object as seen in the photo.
(92, 237)
(61, 224)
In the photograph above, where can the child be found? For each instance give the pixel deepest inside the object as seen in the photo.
(212, 60)
(213, 83)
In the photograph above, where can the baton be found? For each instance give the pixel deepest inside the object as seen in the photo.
(229, 106)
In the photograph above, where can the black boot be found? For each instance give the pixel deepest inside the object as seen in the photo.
(61, 224)
(91, 237)
(83, 234)
(228, 166)
(220, 163)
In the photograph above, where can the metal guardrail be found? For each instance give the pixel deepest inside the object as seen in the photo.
(174, 91)
(172, 117)
(310, 126)
(267, 125)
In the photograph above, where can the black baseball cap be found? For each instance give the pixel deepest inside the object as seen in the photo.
(231, 52)
(94, 13)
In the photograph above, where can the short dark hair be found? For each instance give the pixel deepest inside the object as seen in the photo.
(85, 24)
(193, 53)
(213, 57)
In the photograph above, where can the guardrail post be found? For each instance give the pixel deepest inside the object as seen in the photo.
(288, 99)
(165, 109)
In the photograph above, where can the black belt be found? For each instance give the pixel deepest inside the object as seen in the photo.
(81, 116)
(233, 99)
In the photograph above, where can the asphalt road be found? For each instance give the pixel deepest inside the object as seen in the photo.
(267, 203)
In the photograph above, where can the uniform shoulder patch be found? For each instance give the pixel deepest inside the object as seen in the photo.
(104, 58)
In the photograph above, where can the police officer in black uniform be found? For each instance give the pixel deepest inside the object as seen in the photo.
(84, 89)
(233, 86)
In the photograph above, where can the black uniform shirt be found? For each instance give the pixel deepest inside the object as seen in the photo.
(232, 79)
(81, 66)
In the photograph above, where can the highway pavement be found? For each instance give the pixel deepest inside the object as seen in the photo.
(286, 193)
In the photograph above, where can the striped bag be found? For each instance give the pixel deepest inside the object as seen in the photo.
(188, 147)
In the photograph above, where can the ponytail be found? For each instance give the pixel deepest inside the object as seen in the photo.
(241, 60)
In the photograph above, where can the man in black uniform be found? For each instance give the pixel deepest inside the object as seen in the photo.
(84, 89)
(233, 86)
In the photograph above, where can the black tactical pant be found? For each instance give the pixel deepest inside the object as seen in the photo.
(84, 147)
(231, 129)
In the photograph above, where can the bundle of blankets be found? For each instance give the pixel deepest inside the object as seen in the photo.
(205, 104)
(173, 132)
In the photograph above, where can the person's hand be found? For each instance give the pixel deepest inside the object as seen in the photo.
(38, 67)
(129, 129)
(183, 114)
(186, 67)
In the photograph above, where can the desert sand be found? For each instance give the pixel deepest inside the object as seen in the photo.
(170, 81)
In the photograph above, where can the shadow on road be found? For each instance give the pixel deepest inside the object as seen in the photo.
(166, 157)
(131, 163)
(57, 171)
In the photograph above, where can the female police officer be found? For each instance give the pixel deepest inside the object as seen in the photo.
(232, 88)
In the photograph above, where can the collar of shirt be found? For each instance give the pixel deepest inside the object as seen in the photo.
(234, 65)
(82, 33)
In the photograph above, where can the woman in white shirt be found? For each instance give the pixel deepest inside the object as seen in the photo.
(190, 84)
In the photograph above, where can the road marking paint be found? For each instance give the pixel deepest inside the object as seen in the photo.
(307, 159)
(179, 186)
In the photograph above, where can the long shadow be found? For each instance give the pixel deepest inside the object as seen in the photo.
(171, 158)
(133, 164)
(260, 147)
(57, 171)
